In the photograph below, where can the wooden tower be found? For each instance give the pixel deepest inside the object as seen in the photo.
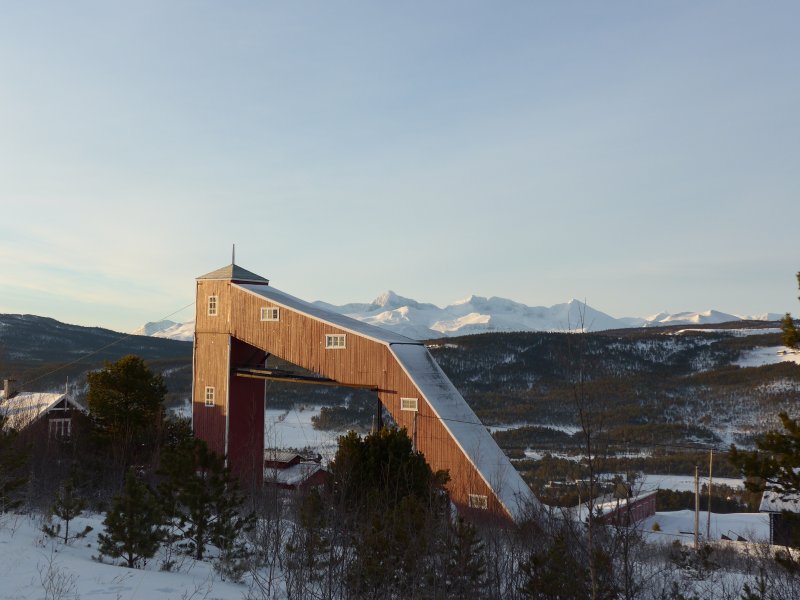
(241, 319)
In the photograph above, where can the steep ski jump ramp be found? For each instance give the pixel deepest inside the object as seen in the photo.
(241, 319)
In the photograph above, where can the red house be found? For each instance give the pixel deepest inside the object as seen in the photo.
(53, 411)
(292, 471)
(622, 511)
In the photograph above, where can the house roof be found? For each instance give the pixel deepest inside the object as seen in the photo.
(294, 475)
(281, 456)
(235, 273)
(606, 505)
(775, 502)
(26, 408)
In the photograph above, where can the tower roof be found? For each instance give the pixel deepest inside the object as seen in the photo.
(235, 273)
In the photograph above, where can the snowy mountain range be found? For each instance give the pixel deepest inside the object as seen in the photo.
(168, 329)
(476, 314)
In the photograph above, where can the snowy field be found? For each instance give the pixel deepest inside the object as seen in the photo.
(32, 565)
(290, 428)
(683, 483)
(735, 332)
(568, 429)
(539, 455)
(293, 429)
(753, 527)
(770, 355)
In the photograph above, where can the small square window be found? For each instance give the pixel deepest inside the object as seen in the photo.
(478, 501)
(409, 404)
(59, 428)
(209, 396)
(212, 306)
(270, 313)
(335, 341)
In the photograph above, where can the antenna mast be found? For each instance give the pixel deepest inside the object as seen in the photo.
(233, 255)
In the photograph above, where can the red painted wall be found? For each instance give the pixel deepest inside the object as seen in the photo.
(246, 416)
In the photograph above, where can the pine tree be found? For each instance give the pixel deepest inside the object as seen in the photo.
(382, 468)
(13, 477)
(790, 335)
(125, 398)
(398, 507)
(555, 573)
(776, 461)
(203, 498)
(466, 565)
(67, 507)
(759, 589)
(133, 526)
(308, 550)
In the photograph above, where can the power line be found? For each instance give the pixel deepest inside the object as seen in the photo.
(94, 352)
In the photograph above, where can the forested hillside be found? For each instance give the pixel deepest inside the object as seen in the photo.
(42, 354)
(654, 385)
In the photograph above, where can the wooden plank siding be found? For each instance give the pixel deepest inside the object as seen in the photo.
(300, 339)
(211, 366)
(245, 447)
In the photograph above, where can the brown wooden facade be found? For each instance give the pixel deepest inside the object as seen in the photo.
(236, 336)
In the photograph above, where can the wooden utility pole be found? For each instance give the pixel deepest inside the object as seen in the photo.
(377, 418)
(414, 434)
(696, 506)
(710, 480)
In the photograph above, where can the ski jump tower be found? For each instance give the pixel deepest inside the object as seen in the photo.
(241, 320)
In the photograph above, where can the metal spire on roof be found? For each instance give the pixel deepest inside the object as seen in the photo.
(233, 255)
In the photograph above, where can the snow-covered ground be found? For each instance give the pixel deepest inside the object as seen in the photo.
(29, 561)
(769, 355)
(540, 454)
(290, 428)
(734, 332)
(568, 429)
(753, 527)
(293, 429)
(683, 483)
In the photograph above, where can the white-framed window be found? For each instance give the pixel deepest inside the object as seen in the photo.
(210, 394)
(212, 306)
(59, 428)
(270, 313)
(478, 501)
(335, 341)
(409, 404)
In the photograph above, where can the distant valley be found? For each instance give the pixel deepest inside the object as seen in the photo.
(710, 384)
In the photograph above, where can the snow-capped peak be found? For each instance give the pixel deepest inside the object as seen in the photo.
(154, 327)
(691, 318)
(762, 317)
(477, 314)
(168, 329)
(469, 300)
(389, 299)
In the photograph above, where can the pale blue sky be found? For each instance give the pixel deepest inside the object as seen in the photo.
(643, 156)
